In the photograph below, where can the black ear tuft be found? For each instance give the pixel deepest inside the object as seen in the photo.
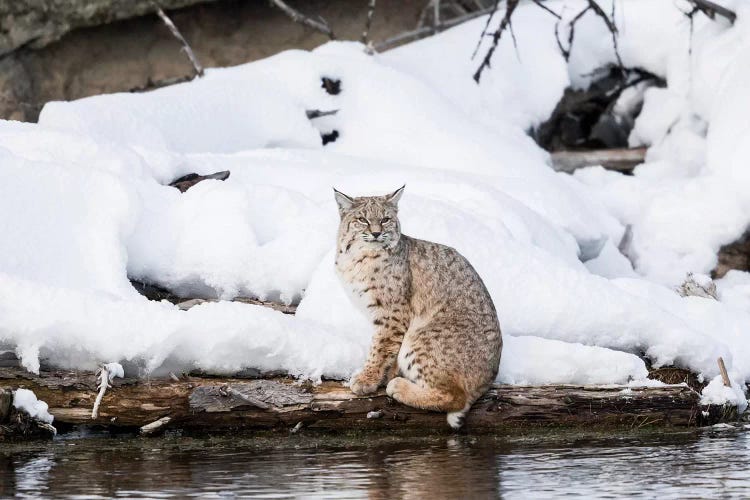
(396, 195)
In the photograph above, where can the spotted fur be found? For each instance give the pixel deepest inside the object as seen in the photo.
(437, 340)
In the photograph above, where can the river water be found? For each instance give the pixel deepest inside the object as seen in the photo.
(712, 463)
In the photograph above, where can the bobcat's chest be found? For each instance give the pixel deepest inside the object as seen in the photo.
(362, 279)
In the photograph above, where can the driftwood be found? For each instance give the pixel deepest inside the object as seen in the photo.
(221, 404)
(621, 160)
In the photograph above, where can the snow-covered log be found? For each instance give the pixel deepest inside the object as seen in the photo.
(222, 404)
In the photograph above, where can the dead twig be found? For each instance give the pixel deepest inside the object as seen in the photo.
(296, 16)
(724, 375)
(154, 427)
(544, 7)
(176, 33)
(435, 15)
(368, 22)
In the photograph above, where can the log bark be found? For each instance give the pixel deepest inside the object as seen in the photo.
(221, 404)
(620, 160)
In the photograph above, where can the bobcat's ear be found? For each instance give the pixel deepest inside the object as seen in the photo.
(395, 196)
(345, 202)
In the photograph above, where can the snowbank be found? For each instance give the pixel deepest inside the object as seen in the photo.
(25, 400)
(89, 207)
(717, 393)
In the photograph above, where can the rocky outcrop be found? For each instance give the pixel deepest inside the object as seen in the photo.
(37, 23)
(115, 54)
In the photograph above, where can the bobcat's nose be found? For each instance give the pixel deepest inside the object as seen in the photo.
(376, 235)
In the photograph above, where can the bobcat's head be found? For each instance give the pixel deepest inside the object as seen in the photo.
(369, 222)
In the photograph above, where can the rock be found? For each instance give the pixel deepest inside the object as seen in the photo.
(37, 23)
(735, 255)
(586, 119)
(108, 53)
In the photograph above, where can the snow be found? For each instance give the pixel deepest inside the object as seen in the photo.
(89, 208)
(114, 370)
(717, 393)
(25, 400)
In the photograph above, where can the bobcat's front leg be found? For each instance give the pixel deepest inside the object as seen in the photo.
(382, 358)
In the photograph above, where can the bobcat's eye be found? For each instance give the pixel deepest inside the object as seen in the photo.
(364, 221)
(385, 220)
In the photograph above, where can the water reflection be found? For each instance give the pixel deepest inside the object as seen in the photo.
(697, 465)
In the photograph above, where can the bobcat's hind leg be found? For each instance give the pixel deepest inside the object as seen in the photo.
(451, 399)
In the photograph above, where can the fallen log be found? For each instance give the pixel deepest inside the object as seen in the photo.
(155, 292)
(223, 404)
(620, 160)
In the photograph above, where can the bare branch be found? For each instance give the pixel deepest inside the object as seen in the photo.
(368, 23)
(484, 30)
(544, 7)
(423, 15)
(176, 33)
(296, 16)
(610, 23)
(426, 31)
(510, 7)
(515, 42)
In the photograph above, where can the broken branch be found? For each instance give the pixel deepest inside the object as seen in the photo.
(103, 385)
(724, 374)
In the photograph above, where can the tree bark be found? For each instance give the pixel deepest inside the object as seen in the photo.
(222, 404)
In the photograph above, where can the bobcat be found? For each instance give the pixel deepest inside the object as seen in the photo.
(437, 341)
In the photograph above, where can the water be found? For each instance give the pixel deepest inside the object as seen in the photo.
(706, 464)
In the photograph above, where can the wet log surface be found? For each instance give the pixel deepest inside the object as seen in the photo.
(223, 404)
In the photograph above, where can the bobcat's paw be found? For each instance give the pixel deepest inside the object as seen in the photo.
(396, 387)
(361, 385)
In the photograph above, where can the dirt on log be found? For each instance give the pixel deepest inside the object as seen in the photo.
(223, 404)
